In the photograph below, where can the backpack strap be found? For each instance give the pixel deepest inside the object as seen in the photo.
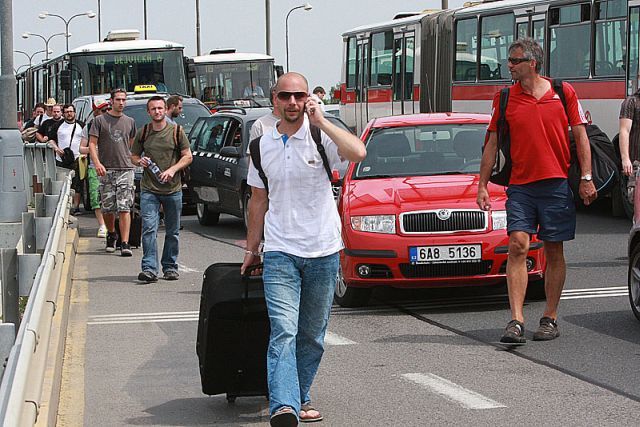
(317, 138)
(143, 135)
(558, 88)
(502, 121)
(254, 151)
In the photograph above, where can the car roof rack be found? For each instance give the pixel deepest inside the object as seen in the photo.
(240, 110)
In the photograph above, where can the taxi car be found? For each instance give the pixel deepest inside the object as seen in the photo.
(221, 162)
(409, 212)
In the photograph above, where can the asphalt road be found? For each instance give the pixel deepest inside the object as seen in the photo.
(424, 357)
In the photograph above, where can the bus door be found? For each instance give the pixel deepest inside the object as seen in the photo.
(402, 82)
(362, 85)
(633, 42)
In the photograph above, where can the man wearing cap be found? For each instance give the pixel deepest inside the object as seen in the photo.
(48, 114)
(99, 107)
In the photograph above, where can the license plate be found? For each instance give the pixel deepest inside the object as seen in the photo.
(445, 254)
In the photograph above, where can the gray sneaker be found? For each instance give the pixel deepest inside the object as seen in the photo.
(514, 333)
(171, 275)
(547, 330)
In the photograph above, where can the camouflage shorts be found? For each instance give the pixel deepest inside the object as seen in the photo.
(117, 190)
(631, 182)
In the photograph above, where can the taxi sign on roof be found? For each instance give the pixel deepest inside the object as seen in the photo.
(145, 88)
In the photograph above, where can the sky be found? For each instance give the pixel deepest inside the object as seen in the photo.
(315, 42)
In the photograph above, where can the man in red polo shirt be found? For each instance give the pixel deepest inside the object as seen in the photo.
(539, 199)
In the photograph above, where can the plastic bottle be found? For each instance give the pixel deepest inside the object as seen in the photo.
(153, 167)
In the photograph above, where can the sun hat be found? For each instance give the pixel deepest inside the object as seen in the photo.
(50, 102)
(99, 104)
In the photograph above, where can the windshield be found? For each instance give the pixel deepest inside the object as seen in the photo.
(190, 113)
(226, 83)
(423, 150)
(100, 73)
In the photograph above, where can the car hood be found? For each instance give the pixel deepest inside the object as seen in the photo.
(403, 194)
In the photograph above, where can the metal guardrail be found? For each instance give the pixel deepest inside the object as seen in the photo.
(23, 377)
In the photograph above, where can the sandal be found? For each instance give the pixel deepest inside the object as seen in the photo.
(284, 417)
(309, 414)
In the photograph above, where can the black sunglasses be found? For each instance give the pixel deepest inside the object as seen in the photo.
(516, 61)
(285, 96)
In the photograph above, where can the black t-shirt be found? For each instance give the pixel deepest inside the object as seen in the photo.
(50, 128)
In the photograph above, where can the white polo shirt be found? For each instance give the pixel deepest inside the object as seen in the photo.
(302, 218)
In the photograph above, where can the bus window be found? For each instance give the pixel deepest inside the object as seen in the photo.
(497, 35)
(538, 31)
(522, 29)
(408, 72)
(381, 57)
(397, 78)
(634, 21)
(351, 62)
(610, 37)
(466, 50)
(570, 34)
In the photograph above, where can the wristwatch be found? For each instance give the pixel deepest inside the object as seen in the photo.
(586, 177)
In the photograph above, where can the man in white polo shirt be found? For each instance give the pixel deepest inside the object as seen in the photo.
(301, 243)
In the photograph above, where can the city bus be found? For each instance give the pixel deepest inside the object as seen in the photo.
(226, 77)
(120, 61)
(456, 59)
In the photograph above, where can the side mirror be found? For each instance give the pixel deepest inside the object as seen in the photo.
(191, 70)
(65, 79)
(279, 70)
(230, 152)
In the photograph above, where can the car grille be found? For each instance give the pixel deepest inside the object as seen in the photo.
(412, 271)
(428, 222)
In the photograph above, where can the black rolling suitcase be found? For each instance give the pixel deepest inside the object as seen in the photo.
(233, 333)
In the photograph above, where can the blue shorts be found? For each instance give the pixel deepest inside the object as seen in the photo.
(544, 208)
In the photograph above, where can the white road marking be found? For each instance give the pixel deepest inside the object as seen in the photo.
(334, 339)
(452, 391)
(186, 269)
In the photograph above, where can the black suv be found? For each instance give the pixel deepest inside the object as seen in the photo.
(220, 162)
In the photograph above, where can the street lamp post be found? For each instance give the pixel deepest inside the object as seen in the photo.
(29, 56)
(89, 14)
(305, 6)
(198, 27)
(267, 26)
(45, 39)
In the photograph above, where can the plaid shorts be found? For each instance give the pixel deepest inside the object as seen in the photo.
(117, 191)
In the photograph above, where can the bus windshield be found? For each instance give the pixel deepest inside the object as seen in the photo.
(233, 83)
(101, 73)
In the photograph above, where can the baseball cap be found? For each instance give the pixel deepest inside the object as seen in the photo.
(99, 104)
(50, 102)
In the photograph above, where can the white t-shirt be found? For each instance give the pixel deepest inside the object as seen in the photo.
(64, 138)
(302, 218)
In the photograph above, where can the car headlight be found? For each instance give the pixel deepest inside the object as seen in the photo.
(374, 223)
(499, 220)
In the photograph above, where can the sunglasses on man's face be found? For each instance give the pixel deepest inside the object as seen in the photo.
(516, 61)
(285, 96)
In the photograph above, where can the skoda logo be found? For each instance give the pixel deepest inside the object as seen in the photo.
(443, 214)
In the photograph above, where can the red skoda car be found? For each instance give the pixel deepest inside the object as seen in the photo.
(409, 212)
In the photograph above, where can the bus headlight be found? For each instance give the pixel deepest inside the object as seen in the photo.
(499, 220)
(374, 223)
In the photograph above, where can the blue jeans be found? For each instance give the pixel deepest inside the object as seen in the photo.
(299, 293)
(150, 210)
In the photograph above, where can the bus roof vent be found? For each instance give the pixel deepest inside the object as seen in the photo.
(122, 35)
(222, 50)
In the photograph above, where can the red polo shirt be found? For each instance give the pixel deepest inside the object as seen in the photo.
(539, 132)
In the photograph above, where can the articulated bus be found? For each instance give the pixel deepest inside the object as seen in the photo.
(456, 60)
(120, 61)
(225, 77)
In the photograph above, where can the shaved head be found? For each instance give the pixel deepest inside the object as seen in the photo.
(289, 77)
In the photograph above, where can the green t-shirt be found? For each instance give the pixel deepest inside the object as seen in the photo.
(161, 148)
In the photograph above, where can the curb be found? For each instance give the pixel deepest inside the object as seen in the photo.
(53, 370)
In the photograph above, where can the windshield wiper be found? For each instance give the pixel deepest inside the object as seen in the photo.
(376, 176)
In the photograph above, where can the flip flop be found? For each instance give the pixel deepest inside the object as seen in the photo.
(284, 417)
(305, 409)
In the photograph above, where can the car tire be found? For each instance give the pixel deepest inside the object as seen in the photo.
(246, 197)
(535, 290)
(205, 215)
(627, 206)
(349, 297)
(634, 281)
